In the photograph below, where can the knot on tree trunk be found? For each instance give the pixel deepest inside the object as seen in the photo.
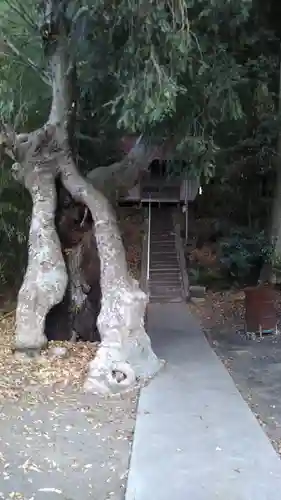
(108, 376)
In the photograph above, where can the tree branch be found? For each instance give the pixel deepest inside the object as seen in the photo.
(122, 176)
(43, 74)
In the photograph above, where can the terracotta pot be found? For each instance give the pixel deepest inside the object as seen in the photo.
(260, 310)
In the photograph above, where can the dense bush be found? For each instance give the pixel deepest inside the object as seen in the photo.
(15, 210)
(242, 255)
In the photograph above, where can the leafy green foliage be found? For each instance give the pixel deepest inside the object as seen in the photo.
(171, 74)
(202, 74)
(243, 253)
(24, 97)
(14, 221)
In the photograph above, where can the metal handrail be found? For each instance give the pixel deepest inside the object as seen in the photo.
(186, 212)
(148, 240)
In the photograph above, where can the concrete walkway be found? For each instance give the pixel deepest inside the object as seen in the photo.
(195, 437)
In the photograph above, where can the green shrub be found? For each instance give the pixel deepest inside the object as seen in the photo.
(242, 255)
(15, 209)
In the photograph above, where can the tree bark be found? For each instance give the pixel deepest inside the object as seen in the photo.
(115, 180)
(276, 210)
(85, 317)
(268, 271)
(45, 279)
(274, 239)
(125, 354)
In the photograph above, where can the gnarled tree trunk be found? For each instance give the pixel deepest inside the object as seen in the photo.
(125, 353)
(45, 279)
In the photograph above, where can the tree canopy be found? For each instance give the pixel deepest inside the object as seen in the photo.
(202, 75)
(167, 69)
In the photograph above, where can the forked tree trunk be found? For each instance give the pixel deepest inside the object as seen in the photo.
(46, 278)
(125, 354)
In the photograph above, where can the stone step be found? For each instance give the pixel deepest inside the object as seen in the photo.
(168, 235)
(163, 238)
(159, 253)
(168, 269)
(161, 299)
(163, 246)
(162, 252)
(159, 289)
(167, 285)
(162, 278)
(162, 272)
(163, 256)
(170, 242)
(164, 266)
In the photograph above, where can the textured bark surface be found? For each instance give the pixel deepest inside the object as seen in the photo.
(275, 235)
(85, 320)
(84, 288)
(115, 180)
(125, 354)
(276, 211)
(45, 279)
(77, 310)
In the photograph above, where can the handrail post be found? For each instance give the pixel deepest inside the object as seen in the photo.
(186, 209)
(148, 240)
(186, 223)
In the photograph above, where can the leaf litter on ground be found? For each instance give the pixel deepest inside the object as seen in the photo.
(19, 375)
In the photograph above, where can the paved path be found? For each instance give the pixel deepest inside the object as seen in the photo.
(195, 437)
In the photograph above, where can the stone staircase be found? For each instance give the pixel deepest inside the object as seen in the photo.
(165, 279)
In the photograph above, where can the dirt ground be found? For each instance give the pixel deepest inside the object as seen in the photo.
(255, 365)
(65, 446)
(55, 441)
